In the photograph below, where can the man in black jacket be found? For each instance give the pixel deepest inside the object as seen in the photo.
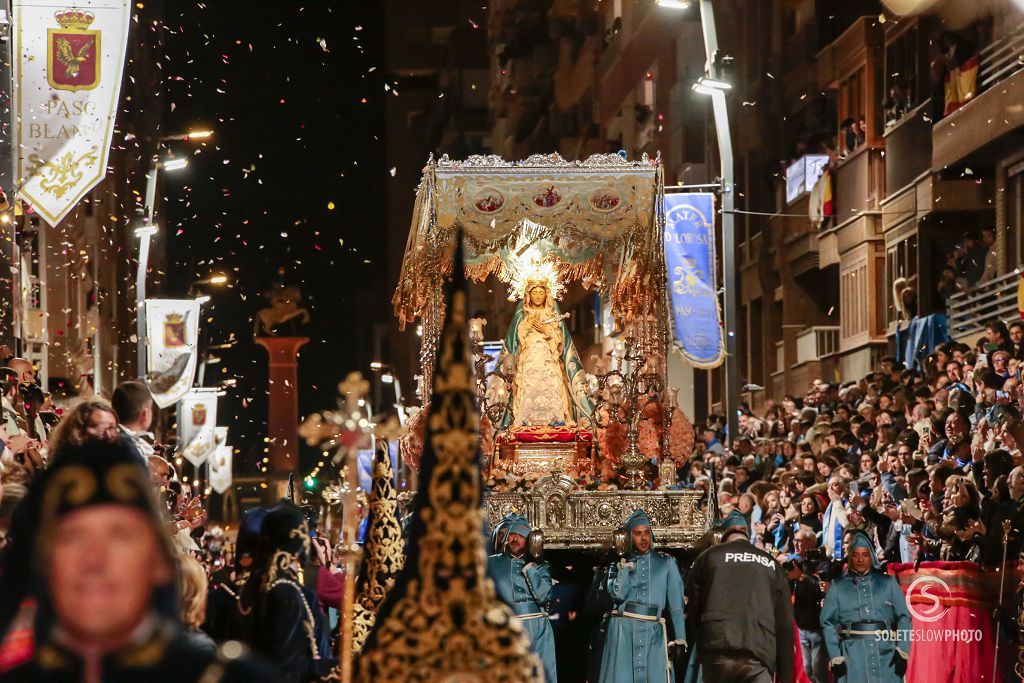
(739, 602)
(807, 597)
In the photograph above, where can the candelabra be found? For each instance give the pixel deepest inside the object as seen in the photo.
(621, 396)
(492, 404)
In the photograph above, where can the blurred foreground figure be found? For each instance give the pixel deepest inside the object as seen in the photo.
(229, 609)
(104, 580)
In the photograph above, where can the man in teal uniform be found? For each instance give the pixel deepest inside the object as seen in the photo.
(866, 621)
(642, 585)
(525, 586)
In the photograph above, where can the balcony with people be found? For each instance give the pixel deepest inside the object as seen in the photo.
(982, 69)
(848, 202)
(943, 253)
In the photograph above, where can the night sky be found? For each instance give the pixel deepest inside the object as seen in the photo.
(294, 177)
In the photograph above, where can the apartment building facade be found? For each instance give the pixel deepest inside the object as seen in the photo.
(865, 158)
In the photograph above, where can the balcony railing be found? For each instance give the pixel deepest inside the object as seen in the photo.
(817, 343)
(1002, 58)
(969, 312)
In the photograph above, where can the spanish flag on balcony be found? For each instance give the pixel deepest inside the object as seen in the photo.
(961, 84)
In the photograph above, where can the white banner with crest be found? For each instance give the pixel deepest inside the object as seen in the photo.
(67, 79)
(220, 463)
(197, 425)
(172, 331)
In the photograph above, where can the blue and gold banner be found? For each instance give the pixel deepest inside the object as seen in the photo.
(690, 259)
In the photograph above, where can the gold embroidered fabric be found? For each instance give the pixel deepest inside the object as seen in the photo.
(385, 548)
(442, 621)
(599, 221)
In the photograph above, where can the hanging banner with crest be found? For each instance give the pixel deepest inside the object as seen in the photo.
(67, 79)
(219, 463)
(690, 260)
(172, 331)
(197, 425)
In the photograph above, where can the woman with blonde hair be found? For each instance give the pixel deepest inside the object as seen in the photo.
(193, 585)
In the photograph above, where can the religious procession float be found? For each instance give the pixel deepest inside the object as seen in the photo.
(573, 313)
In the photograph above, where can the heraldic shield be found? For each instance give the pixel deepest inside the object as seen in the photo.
(73, 52)
(174, 331)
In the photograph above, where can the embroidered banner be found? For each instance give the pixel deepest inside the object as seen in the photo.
(220, 463)
(172, 330)
(690, 260)
(197, 420)
(67, 78)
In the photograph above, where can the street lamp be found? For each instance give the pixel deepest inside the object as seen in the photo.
(715, 84)
(213, 280)
(175, 164)
(706, 85)
(388, 376)
(191, 135)
(145, 234)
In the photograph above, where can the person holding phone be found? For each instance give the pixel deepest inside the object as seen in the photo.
(836, 516)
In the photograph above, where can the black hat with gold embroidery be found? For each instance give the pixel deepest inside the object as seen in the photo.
(284, 542)
(96, 473)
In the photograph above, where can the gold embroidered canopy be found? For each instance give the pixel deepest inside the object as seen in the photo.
(599, 221)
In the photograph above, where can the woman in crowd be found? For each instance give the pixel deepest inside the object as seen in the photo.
(193, 586)
(92, 420)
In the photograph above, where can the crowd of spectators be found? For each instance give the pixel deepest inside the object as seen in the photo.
(39, 435)
(926, 461)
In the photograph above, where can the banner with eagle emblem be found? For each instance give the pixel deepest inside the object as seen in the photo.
(197, 425)
(67, 80)
(172, 333)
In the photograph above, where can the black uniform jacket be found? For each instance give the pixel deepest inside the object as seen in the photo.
(168, 655)
(739, 600)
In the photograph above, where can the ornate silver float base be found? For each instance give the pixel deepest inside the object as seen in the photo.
(578, 519)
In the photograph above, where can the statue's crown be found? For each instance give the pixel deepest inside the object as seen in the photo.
(74, 19)
(174, 318)
(532, 270)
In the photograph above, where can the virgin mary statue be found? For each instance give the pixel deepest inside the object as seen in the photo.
(549, 385)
